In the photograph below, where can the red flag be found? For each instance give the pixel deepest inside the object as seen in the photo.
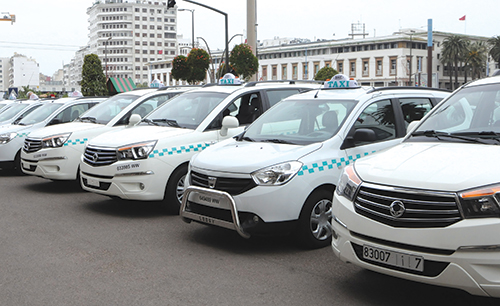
(462, 18)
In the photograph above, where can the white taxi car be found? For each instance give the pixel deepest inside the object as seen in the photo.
(149, 162)
(52, 112)
(14, 112)
(279, 175)
(54, 152)
(428, 209)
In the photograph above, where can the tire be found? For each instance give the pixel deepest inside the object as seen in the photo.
(314, 229)
(175, 188)
(17, 164)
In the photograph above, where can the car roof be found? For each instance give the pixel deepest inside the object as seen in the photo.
(484, 81)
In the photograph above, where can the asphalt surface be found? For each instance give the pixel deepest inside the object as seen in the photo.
(63, 246)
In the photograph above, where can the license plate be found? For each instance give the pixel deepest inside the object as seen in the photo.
(92, 182)
(205, 199)
(396, 259)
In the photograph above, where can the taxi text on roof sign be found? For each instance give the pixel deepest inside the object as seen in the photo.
(229, 78)
(341, 81)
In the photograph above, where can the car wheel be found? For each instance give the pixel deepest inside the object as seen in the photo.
(175, 187)
(314, 228)
(17, 164)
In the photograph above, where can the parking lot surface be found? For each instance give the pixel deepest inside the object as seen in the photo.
(60, 245)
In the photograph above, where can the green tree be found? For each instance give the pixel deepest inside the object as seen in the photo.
(222, 70)
(325, 73)
(476, 58)
(454, 48)
(192, 68)
(93, 81)
(244, 62)
(494, 43)
(180, 69)
(198, 61)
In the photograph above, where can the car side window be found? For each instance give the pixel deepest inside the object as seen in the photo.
(245, 108)
(144, 108)
(70, 113)
(275, 96)
(378, 117)
(414, 108)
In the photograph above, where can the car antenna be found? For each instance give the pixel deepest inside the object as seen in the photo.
(317, 92)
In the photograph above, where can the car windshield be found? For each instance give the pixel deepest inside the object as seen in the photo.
(185, 111)
(103, 112)
(12, 111)
(40, 113)
(300, 122)
(473, 112)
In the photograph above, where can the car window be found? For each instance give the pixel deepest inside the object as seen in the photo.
(40, 114)
(245, 108)
(70, 113)
(12, 111)
(145, 107)
(275, 96)
(414, 108)
(378, 117)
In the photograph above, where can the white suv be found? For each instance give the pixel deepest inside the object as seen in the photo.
(149, 162)
(279, 175)
(54, 152)
(428, 209)
(52, 112)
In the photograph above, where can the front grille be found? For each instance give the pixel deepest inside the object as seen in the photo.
(99, 157)
(212, 212)
(32, 145)
(422, 209)
(102, 185)
(233, 186)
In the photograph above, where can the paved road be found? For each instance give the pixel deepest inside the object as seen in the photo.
(62, 246)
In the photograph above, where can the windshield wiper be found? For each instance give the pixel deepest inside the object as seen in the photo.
(91, 119)
(439, 135)
(170, 122)
(149, 121)
(276, 140)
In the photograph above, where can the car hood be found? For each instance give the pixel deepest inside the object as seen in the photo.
(137, 134)
(246, 157)
(64, 128)
(433, 166)
(15, 128)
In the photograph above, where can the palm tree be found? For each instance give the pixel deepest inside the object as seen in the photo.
(454, 47)
(476, 58)
(494, 43)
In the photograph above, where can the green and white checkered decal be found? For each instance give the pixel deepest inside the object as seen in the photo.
(179, 150)
(330, 164)
(75, 142)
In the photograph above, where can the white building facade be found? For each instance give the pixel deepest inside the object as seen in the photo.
(23, 71)
(127, 35)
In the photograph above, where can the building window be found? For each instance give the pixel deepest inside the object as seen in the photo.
(378, 62)
(340, 67)
(352, 68)
(264, 73)
(284, 72)
(305, 70)
(274, 72)
(394, 65)
(366, 67)
(295, 71)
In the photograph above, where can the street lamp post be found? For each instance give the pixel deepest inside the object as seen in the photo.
(411, 48)
(106, 42)
(226, 23)
(192, 25)
(211, 74)
(226, 52)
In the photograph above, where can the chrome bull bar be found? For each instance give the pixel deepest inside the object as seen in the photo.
(187, 216)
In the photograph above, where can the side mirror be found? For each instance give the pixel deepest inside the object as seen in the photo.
(364, 135)
(54, 121)
(412, 126)
(229, 122)
(134, 119)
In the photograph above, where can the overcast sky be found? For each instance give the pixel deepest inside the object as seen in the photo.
(50, 31)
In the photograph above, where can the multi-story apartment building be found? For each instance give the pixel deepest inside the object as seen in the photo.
(23, 71)
(4, 75)
(129, 34)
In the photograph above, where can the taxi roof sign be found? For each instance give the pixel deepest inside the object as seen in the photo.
(229, 78)
(341, 81)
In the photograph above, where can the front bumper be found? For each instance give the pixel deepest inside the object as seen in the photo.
(446, 261)
(130, 180)
(53, 163)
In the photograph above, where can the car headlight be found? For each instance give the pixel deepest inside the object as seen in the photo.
(136, 151)
(348, 183)
(481, 202)
(5, 138)
(276, 175)
(55, 141)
